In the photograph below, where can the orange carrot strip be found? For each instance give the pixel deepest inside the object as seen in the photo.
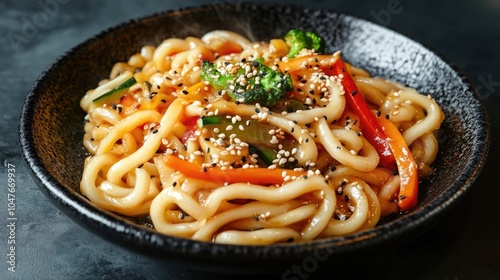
(261, 176)
(407, 167)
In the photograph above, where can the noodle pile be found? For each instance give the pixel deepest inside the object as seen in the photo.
(325, 180)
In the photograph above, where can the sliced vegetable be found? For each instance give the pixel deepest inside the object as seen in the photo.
(369, 125)
(197, 91)
(209, 120)
(262, 176)
(256, 134)
(127, 100)
(253, 132)
(407, 167)
(191, 128)
(267, 155)
(290, 106)
(114, 95)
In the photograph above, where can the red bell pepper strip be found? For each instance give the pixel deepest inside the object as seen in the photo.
(407, 167)
(262, 176)
(369, 126)
(191, 128)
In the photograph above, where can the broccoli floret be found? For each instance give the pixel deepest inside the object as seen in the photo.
(266, 87)
(298, 40)
(213, 76)
(317, 42)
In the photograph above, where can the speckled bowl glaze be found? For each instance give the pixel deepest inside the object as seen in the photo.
(51, 128)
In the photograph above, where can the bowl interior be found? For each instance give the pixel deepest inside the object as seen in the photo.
(51, 125)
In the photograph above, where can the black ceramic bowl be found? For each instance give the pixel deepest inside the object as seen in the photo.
(51, 128)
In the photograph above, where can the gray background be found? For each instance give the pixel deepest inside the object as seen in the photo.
(50, 246)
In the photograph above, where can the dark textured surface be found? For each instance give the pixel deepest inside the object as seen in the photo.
(456, 249)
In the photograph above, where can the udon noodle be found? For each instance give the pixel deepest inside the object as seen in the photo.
(152, 155)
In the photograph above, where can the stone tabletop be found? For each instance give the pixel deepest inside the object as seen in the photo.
(48, 245)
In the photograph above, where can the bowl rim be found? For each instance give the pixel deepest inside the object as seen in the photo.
(101, 221)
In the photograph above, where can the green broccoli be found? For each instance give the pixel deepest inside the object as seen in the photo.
(298, 40)
(248, 82)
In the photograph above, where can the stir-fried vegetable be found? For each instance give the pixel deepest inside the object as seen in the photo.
(407, 167)
(114, 95)
(369, 125)
(253, 82)
(254, 133)
(263, 176)
(299, 40)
